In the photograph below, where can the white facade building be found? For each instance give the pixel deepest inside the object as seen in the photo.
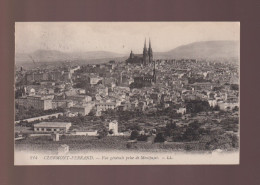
(52, 126)
(114, 127)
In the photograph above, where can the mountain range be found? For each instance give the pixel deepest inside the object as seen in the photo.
(204, 50)
(197, 50)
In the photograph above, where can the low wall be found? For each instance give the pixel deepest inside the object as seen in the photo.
(40, 117)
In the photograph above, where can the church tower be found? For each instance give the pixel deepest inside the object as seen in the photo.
(150, 52)
(145, 54)
(131, 55)
(154, 73)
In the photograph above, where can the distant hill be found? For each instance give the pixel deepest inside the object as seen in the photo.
(203, 50)
(55, 56)
(197, 50)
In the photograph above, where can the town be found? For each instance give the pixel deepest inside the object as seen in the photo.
(141, 103)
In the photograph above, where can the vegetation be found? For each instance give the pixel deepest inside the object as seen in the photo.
(234, 87)
(102, 132)
(159, 138)
(142, 137)
(134, 135)
(201, 134)
(19, 92)
(196, 106)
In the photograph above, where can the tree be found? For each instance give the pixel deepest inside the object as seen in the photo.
(216, 108)
(135, 127)
(56, 90)
(234, 87)
(195, 125)
(170, 128)
(235, 141)
(235, 109)
(92, 112)
(159, 138)
(196, 106)
(171, 125)
(102, 132)
(111, 131)
(142, 137)
(191, 134)
(134, 135)
(177, 135)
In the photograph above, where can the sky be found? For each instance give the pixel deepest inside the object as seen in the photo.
(118, 37)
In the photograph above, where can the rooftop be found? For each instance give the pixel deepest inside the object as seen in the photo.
(52, 124)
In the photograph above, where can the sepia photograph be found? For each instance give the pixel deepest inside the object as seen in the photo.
(127, 93)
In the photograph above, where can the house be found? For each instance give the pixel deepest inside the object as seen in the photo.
(52, 126)
(181, 110)
(82, 109)
(227, 105)
(102, 90)
(61, 103)
(37, 102)
(79, 98)
(212, 102)
(93, 80)
(103, 106)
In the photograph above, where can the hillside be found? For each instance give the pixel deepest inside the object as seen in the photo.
(40, 56)
(204, 50)
(198, 50)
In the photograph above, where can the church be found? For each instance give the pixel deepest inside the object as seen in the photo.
(142, 59)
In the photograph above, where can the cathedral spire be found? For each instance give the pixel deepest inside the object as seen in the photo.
(154, 73)
(145, 49)
(145, 54)
(131, 54)
(150, 52)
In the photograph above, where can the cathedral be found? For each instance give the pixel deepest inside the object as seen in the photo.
(142, 59)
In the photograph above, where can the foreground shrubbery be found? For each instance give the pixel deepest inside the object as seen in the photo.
(76, 143)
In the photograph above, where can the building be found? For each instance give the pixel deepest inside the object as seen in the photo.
(103, 106)
(94, 80)
(37, 102)
(47, 83)
(181, 110)
(82, 109)
(52, 126)
(144, 59)
(36, 76)
(227, 105)
(61, 103)
(113, 126)
(102, 90)
(56, 75)
(67, 76)
(75, 68)
(212, 102)
(79, 98)
(145, 80)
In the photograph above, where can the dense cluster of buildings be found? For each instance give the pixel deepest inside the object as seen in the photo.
(139, 83)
